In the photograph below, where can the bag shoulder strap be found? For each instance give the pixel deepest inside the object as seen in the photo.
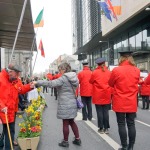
(72, 87)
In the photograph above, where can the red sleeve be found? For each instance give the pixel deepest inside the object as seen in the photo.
(22, 89)
(92, 78)
(147, 80)
(112, 79)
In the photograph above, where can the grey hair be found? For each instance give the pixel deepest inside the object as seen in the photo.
(65, 66)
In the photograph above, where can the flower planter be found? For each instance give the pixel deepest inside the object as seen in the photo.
(28, 143)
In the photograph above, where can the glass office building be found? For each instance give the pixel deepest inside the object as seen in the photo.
(130, 31)
(85, 22)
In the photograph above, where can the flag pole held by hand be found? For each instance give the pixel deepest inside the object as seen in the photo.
(8, 131)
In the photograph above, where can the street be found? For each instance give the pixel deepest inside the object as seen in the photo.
(91, 139)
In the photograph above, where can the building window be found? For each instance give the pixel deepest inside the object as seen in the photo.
(132, 41)
(119, 48)
(115, 51)
(138, 39)
(146, 40)
(125, 43)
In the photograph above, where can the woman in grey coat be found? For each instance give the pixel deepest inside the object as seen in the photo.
(67, 107)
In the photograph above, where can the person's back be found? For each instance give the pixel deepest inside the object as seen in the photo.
(84, 77)
(101, 89)
(126, 78)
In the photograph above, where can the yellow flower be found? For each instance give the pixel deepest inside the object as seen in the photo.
(20, 116)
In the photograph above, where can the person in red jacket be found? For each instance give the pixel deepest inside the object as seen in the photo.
(124, 79)
(147, 80)
(144, 92)
(86, 91)
(8, 100)
(101, 95)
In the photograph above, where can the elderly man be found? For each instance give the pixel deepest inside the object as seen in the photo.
(11, 86)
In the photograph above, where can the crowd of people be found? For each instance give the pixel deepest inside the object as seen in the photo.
(118, 89)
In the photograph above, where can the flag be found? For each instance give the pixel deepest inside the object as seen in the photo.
(105, 9)
(41, 48)
(39, 22)
(117, 6)
(110, 7)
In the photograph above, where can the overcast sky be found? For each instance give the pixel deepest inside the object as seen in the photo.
(56, 33)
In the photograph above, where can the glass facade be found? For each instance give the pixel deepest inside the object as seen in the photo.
(138, 39)
(85, 22)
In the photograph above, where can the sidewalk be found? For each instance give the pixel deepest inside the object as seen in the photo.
(52, 131)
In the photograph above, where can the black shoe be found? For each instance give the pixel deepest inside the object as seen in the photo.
(101, 131)
(90, 119)
(84, 119)
(64, 144)
(77, 142)
(130, 147)
(106, 131)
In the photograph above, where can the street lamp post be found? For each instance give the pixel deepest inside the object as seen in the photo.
(105, 42)
(111, 52)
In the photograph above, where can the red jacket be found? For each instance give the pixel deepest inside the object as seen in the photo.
(124, 79)
(49, 76)
(144, 89)
(9, 95)
(101, 90)
(147, 80)
(84, 77)
(56, 76)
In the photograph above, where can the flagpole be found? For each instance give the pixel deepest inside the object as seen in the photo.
(18, 29)
(32, 48)
(34, 62)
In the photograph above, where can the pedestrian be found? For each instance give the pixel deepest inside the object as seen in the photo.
(124, 79)
(45, 88)
(11, 87)
(56, 76)
(67, 107)
(86, 91)
(144, 91)
(101, 96)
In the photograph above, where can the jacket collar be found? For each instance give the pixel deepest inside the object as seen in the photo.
(86, 68)
(124, 63)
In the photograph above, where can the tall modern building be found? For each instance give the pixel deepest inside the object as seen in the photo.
(126, 27)
(85, 23)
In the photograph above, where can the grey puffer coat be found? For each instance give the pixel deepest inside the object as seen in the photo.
(67, 107)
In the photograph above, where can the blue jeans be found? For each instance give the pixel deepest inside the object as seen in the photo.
(87, 109)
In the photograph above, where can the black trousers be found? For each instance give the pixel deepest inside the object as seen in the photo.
(103, 116)
(87, 109)
(45, 89)
(122, 119)
(145, 100)
(5, 134)
(55, 93)
(52, 89)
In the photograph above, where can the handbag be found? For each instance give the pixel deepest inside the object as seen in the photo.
(79, 103)
(78, 99)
